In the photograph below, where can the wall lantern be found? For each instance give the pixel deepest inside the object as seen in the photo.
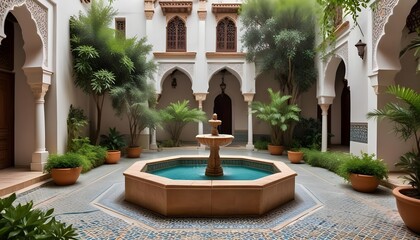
(223, 84)
(360, 48)
(173, 83)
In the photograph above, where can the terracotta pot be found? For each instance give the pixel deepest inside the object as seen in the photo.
(363, 183)
(112, 156)
(295, 157)
(408, 207)
(275, 150)
(133, 152)
(65, 176)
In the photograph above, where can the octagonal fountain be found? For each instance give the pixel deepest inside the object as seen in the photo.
(248, 186)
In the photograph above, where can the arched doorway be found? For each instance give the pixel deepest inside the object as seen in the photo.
(7, 79)
(223, 108)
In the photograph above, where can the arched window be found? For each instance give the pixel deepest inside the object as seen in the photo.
(176, 36)
(226, 36)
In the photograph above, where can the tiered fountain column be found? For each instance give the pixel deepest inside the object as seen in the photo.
(214, 141)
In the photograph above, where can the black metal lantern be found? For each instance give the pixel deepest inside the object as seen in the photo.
(360, 48)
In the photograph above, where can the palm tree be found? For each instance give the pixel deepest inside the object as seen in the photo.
(278, 113)
(177, 115)
(406, 121)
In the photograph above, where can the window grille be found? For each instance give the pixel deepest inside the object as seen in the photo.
(176, 36)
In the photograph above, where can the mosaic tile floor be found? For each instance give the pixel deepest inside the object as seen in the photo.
(325, 208)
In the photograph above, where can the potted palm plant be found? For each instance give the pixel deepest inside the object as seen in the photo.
(363, 172)
(113, 142)
(64, 169)
(406, 121)
(279, 114)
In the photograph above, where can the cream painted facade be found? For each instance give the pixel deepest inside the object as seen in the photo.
(44, 88)
(385, 33)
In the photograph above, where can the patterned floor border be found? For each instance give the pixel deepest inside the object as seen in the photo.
(112, 202)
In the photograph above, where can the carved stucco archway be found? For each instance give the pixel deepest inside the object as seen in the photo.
(165, 69)
(330, 69)
(236, 69)
(33, 19)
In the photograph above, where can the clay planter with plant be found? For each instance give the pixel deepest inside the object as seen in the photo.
(406, 119)
(113, 142)
(363, 172)
(64, 169)
(279, 114)
(294, 154)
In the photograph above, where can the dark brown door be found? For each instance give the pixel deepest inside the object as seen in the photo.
(6, 119)
(345, 115)
(7, 107)
(223, 108)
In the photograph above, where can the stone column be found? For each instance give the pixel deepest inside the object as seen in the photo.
(39, 81)
(200, 97)
(153, 145)
(248, 97)
(324, 108)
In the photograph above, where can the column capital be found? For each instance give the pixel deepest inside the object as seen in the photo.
(248, 97)
(381, 79)
(37, 75)
(324, 108)
(325, 100)
(149, 14)
(200, 96)
(39, 90)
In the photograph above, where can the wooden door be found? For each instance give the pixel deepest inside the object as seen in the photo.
(6, 119)
(223, 108)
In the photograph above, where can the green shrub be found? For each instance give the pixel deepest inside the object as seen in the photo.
(95, 155)
(24, 222)
(67, 160)
(168, 143)
(365, 164)
(261, 144)
(327, 160)
(113, 141)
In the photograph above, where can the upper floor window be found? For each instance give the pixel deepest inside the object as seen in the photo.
(226, 36)
(120, 27)
(176, 35)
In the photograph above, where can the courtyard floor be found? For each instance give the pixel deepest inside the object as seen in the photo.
(325, 207)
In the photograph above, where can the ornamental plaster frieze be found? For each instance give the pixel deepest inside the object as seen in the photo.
(341, 52)
(187, 68)
(38, 13)
(237, 68)
(381, 14)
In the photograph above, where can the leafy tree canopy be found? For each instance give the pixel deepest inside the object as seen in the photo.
(279, 37)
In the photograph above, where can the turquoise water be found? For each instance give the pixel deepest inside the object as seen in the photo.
(197, 172)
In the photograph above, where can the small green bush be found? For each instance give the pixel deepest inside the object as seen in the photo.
(24, 222)
(94, 154)
(113, 141)
(168, 143)
(261, 144)
(327, 160)
(68, 160)
(365, 164)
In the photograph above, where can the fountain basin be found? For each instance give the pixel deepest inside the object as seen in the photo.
(214, 141)
(198, 198)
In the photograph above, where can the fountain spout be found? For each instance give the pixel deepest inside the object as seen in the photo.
(214, 141)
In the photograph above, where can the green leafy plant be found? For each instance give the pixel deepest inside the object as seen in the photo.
(278, 113)
(94, 155)
(76, 121)
(176, 116)
(24, 222)
(328, 160)
(67, 160)
(113, 141)
(279, 36)
(365, 164)
(261, 144)
(308, 133)
(406, 120)
(330, 10)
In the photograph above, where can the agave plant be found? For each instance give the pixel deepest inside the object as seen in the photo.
(278, 113)
(177, 115)
(406, 119)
